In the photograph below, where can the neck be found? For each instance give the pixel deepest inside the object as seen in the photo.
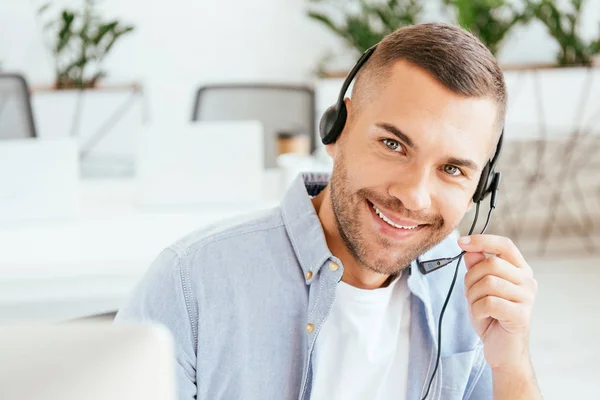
(355, 273)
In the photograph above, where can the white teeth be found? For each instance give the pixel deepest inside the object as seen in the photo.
(386, 219)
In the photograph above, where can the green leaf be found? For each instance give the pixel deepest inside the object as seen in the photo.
(371, 21)
(326, 21)
(490, 20)
(360, 34)
(65, 33)
(564, 27)
(116, 35)
(103, 30)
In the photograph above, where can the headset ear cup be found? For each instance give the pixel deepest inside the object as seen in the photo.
(332, 123)
(327, 122)
(480, 192)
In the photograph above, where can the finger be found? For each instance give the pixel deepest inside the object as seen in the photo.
(500, 246)
(491, 285)
(472, 259)
(500, 309)
(496, 267)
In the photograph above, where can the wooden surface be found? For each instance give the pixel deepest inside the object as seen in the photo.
(135, 87)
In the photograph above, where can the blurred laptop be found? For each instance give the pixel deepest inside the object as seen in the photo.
(219, 163)
(38, 179)
(90, 361)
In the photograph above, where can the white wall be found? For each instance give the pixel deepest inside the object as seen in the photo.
(194, 40)
(201, 40)
(180, 44)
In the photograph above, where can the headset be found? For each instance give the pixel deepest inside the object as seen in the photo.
(331, 126)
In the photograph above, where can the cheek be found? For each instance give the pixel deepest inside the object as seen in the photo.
(453, 206)
(366, 171)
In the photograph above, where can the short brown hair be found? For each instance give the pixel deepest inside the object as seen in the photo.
(453, 56)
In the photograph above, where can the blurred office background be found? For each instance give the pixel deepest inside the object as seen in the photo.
(204, 110)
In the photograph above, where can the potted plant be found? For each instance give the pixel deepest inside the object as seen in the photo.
(79, 42)
(559, 91)
(362, 23)
(77, 103)
(564, 27)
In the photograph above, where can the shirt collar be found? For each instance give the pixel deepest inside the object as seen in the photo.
(302, 222)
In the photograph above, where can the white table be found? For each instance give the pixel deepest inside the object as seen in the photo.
(60, 269)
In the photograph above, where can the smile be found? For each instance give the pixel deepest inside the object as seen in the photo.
(389, 221)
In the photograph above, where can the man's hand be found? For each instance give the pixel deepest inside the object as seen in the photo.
(501, 292)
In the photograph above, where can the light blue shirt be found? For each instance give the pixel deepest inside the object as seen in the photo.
(238, 299)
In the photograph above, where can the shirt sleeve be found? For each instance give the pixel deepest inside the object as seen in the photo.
(162, 297)
(483, 388)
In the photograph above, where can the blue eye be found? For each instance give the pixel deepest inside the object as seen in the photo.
(392, 144)
(452, 170)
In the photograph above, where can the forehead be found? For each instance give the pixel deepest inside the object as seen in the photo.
(428, 112)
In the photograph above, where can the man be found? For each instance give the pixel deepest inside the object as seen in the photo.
(320, 298)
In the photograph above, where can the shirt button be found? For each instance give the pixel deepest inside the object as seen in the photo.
(310, 328)
(333, 266)
(308, 275)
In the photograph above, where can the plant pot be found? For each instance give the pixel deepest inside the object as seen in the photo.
(552, 102)
(72, 85)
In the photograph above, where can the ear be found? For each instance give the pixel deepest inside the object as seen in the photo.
(349, 106)
(349, 109)
(331, 148)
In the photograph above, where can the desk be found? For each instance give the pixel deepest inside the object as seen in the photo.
(59, 269)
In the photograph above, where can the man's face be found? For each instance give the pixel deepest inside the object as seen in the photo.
(406, 167)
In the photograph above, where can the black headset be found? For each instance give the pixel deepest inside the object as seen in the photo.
(331, 126)
(333, 121)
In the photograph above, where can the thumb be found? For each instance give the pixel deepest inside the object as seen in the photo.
(473, 259)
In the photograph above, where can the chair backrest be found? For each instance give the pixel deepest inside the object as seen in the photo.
(278, 107)
(16, 116)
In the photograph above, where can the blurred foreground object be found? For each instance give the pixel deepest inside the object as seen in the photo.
(90, 361)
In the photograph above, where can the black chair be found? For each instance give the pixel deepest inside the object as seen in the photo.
(280, 108)
(16, 116)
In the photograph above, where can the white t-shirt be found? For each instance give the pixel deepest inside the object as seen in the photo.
(362, 349)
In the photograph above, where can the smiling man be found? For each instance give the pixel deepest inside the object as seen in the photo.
(320, 298)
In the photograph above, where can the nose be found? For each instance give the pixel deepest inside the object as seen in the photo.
(413, 190)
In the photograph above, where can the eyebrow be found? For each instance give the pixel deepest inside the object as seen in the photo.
(458, 162)
(396, 132)
(465, 163)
